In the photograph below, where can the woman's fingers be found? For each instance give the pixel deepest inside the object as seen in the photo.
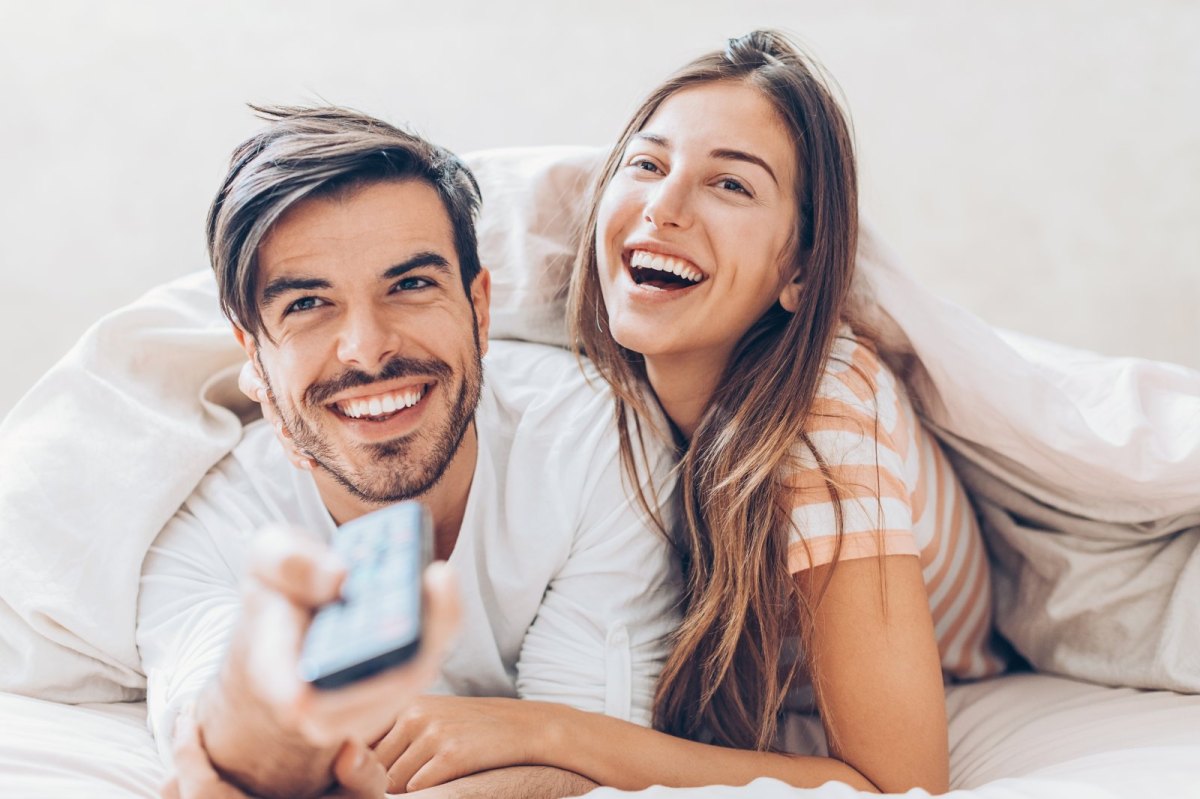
(409, 763)
(252, 385)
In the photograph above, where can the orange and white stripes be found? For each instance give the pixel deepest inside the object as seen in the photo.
(898, 496)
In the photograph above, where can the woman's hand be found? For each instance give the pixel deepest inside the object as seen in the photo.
(253, 387)
(441, 738)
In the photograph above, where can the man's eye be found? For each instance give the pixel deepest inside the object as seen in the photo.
(413, 283)
(304, 304)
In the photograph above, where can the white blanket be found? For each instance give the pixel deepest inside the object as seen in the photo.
(99, 454)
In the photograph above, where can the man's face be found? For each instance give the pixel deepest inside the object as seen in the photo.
(373, 354)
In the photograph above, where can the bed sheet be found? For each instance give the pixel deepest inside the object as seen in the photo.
(50, 750)
(1024, 736)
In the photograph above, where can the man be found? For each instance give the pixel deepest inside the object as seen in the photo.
(345, 256)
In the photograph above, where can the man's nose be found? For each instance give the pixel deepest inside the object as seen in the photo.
(669, 204)
(367, 340)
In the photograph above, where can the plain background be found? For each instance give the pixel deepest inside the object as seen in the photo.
(1038, 163)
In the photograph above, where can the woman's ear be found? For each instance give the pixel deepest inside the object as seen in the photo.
(789, 298)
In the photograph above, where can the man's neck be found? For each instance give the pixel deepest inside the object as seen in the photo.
(446, 501)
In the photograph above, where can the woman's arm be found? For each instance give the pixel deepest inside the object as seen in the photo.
(879, 690)
(878, 684)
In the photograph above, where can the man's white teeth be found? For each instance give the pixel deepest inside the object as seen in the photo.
(383, 403)
(641, 259)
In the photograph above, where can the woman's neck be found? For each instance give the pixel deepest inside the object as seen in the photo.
(684, 385)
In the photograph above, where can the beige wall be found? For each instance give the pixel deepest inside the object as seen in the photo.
(1037, 162)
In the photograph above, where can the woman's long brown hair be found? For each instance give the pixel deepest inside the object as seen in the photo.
(730, 669)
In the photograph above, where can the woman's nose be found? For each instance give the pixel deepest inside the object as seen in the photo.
(669, 204)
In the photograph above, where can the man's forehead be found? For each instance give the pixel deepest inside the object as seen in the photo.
(383, 222)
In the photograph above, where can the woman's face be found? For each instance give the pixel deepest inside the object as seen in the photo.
(695, 225)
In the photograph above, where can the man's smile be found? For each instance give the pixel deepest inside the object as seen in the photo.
(381, 405)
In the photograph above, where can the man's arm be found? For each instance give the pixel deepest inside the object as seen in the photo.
(269, 731)
(266, 730)
(517, 782)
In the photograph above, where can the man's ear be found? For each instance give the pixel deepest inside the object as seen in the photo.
(481, 299)
(248, 344)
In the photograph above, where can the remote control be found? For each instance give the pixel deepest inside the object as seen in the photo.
(376, 624)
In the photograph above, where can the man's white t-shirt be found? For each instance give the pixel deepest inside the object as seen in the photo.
(569, 592)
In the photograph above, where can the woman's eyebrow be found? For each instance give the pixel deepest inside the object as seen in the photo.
(653, 138)
(742, 155)
(721, 153)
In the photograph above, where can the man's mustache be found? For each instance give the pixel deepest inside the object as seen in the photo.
(319, 393)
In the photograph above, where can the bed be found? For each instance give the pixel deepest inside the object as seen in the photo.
(1022, 736)
(1085, 471)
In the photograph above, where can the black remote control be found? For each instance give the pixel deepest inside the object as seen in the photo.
(377, 622)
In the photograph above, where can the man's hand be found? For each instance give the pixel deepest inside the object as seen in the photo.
(265, 728)
(359, 773)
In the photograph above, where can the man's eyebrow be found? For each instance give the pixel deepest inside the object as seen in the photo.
(282, 285)
(742, 155)
(427, 258)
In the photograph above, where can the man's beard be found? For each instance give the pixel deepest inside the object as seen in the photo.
(394, 474)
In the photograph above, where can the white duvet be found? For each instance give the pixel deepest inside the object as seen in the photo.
(1087, 471)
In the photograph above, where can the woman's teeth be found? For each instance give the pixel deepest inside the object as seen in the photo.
(641, 259)
(382, 404)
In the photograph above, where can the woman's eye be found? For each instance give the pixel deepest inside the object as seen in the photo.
(729, 184)
(644, 164)
(304, 304)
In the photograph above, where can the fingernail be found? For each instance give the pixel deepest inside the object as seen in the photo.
(261, 394)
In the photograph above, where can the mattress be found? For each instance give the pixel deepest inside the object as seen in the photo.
(1023, 736)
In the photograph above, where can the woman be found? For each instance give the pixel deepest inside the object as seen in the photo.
(826, 541)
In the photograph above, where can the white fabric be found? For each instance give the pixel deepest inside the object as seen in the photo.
(568, 595)
(1024, 736)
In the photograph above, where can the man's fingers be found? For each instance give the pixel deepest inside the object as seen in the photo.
(359, 773)
(301, 568)
(443, 612)
(195, 776)
(170, 789)
(368, 707)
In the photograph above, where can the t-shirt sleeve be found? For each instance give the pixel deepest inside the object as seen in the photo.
(603, 630)
(859, 444)
(188, 603)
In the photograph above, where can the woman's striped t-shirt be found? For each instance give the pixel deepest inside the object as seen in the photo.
(898, 496)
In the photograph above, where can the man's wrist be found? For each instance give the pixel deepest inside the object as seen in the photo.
(252, 748)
